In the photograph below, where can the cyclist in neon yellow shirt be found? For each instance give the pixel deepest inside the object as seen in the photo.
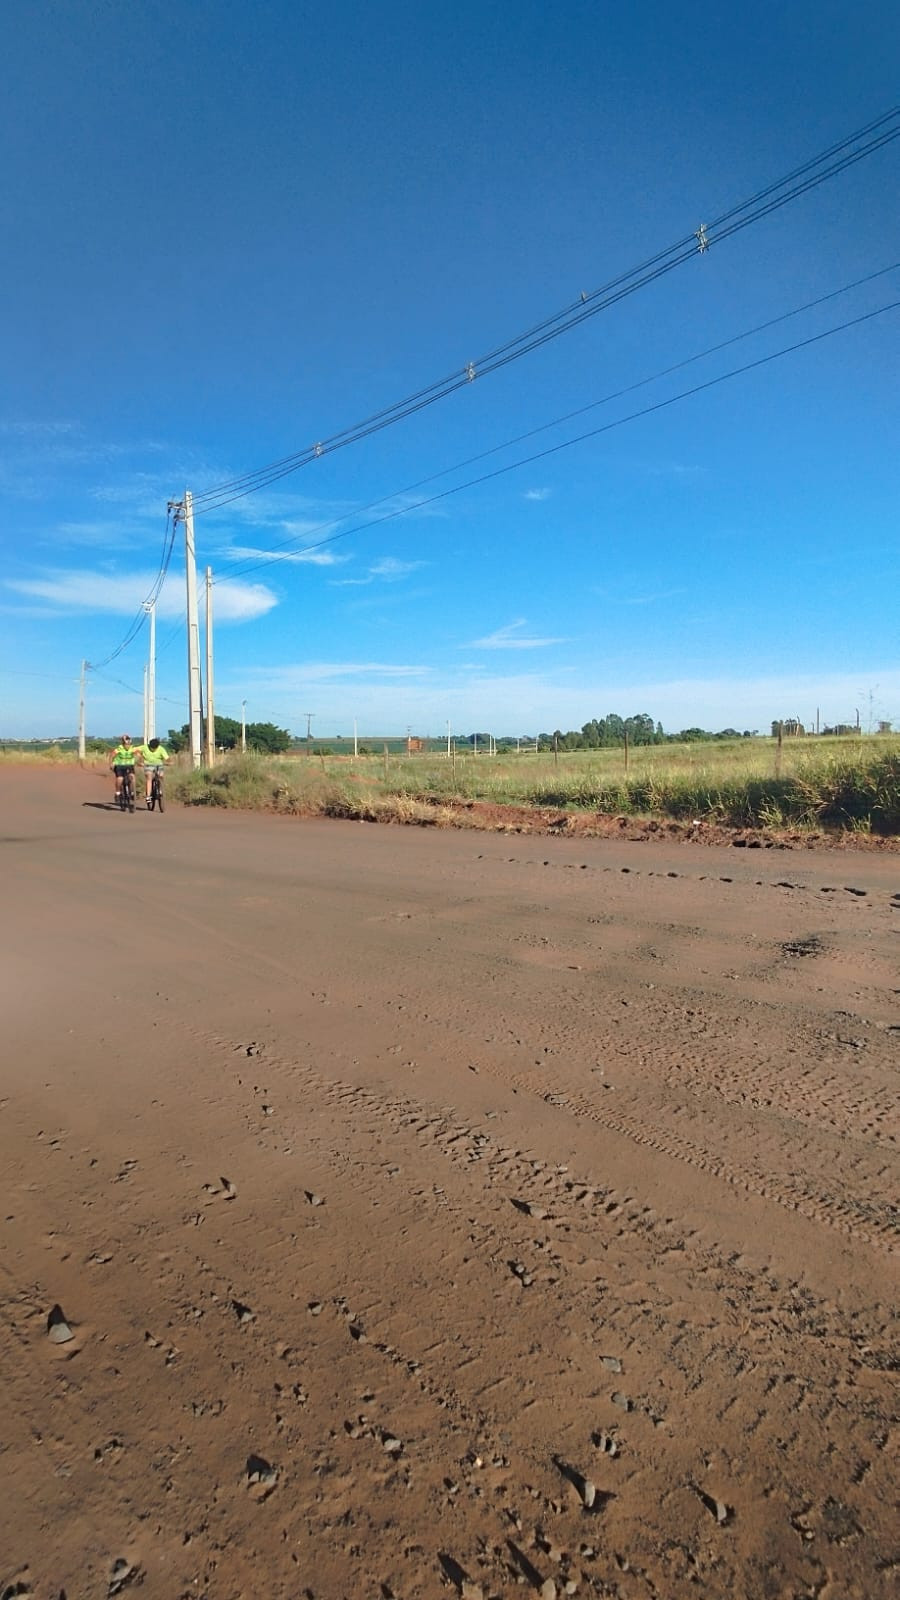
(122, 760)
(154, 756)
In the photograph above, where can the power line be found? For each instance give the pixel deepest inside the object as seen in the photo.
(592, 433)
(249, 566)
(130, 688)
(776, 195)
(141, 616)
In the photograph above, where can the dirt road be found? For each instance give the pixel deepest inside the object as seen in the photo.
(440, 1212)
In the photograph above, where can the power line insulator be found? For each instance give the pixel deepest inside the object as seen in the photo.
(470, 372)
(702, 240)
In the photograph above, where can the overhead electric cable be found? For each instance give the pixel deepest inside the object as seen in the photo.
(156, 587)
(592, 433)
(677, 366)
(883, 130)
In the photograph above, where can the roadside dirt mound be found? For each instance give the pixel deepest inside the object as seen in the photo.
(595, 825)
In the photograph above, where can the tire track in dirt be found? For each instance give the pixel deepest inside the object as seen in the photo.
(692, 1350)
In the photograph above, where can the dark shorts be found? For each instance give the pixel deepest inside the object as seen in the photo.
(120, 771)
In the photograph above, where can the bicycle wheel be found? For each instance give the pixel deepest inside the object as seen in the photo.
(160, 795)
(130, 783)
(152, 801)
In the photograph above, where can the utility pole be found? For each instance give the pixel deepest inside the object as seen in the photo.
(81, 750)
(146, 707)
(243, 727)
(210, 711)
(151, 673)
(185, 509)
(448, 741)
(309, 716)
(355, 739)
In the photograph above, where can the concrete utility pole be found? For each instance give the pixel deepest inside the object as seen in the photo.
(309, 716)
(193, 629)
(210, 710)
(81, 751)
(146, 706)
(243, 727)
(151, 673)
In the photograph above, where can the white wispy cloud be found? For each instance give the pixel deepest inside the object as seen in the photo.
(509, 638)
(387, 569)
(312, 558)
(30, 428)
(390, 568)
(295, 676)
(121, 594)
(651, 599)
(537, 494)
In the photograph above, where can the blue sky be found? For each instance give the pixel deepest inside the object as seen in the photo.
(230, 231)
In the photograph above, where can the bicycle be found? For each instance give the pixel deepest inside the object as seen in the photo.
(157, 792)
(126, 792)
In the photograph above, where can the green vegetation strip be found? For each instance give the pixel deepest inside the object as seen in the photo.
(856, 785)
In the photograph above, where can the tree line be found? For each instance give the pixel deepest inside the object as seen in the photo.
(262, 736)
(610, 732)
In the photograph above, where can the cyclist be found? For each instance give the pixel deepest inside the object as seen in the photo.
(154, 756)
(122, 760)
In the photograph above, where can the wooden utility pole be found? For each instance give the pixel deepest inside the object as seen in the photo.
(193, 629)
(210, 750)
(309, 718)
(243, 727)
(81, 750)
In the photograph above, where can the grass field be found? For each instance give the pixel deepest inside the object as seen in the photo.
(839, 783)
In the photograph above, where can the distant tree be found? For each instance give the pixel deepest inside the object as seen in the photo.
(265, 736)
(260, 736)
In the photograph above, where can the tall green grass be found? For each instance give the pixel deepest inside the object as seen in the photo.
(854, 785)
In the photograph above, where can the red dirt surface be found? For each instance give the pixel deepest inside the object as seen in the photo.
(441, 1213)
